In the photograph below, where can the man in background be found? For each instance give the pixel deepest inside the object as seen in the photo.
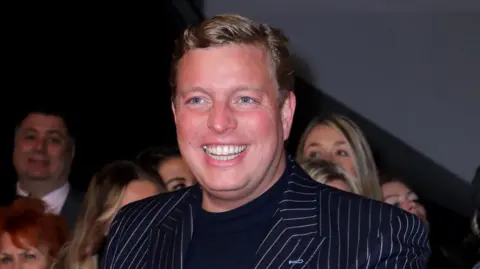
(43, 152)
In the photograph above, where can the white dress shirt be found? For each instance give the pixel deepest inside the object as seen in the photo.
(54, 200)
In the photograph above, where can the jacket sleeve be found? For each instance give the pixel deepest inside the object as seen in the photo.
(401, 242)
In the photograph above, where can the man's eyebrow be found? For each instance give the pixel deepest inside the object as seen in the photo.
(192, 89)
(205, 90)
(56, 132)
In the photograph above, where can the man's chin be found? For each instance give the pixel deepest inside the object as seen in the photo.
(39, 176)
(220, 187)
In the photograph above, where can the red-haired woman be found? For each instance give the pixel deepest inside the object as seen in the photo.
(30, 238)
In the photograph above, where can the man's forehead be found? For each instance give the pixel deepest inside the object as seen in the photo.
(43, 122)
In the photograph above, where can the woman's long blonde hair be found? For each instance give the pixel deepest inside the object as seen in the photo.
(101, 203)
(363, 161)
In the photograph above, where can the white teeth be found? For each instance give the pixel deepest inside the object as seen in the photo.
(224, 152)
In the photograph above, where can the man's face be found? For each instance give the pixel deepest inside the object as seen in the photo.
(230, 125)
(43, 149)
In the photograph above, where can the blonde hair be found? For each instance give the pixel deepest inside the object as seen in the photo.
(363, 161)
(228, 29)
(324, 171)
(102, 201)
(475, 224)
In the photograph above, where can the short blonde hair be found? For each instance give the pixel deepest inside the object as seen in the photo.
(231, 29)
(324, 171)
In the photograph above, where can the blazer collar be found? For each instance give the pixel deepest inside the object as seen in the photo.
(296, 226)
(296, 232)
(170, 237)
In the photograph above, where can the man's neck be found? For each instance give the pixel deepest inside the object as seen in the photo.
(40, 187)
(211, 203)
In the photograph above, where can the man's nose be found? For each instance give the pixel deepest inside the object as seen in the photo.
(221, 119)
(41, 145)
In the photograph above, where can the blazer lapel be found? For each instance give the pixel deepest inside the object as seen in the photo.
(295, 237)
(169, 239)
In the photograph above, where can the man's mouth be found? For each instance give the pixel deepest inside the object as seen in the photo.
(224, 152)
(38, 160)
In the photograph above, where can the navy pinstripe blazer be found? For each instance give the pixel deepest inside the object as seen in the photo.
(315, 227)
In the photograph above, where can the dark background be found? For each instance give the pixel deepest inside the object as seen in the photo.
(106, 66)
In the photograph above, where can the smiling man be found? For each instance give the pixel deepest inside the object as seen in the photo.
(233, 104)
(43, 153)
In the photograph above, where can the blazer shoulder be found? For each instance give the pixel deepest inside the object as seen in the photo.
(363, 211)
(390, 234)
(330, 196)
(150, 210)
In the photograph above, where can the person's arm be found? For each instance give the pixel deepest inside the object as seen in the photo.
(402, 242)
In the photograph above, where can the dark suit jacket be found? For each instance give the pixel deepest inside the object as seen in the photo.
(315, 227)
(70, 209)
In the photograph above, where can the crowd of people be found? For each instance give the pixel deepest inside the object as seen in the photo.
(228, 195)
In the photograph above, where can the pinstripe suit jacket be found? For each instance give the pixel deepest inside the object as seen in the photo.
(315, 227)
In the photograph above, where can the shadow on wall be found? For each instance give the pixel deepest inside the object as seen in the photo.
(447, 198)
(432, 181)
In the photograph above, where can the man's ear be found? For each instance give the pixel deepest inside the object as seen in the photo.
(73, 151)
(72, 148)
(287, 112)
(174, 111)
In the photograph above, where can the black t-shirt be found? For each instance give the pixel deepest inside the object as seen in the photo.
(231, 239)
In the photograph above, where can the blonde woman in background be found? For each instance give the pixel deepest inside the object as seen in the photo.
(117, 184)
(330, 174)
(476, 233)
(340, 140)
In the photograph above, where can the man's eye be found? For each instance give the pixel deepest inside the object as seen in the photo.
(29, 137)
(54, 140)
(246, 99)
(195, 100)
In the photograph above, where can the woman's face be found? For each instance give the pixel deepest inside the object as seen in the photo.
(325, 143)
(175, 174)
(397, 194)
(12, 257)
(137, 190)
